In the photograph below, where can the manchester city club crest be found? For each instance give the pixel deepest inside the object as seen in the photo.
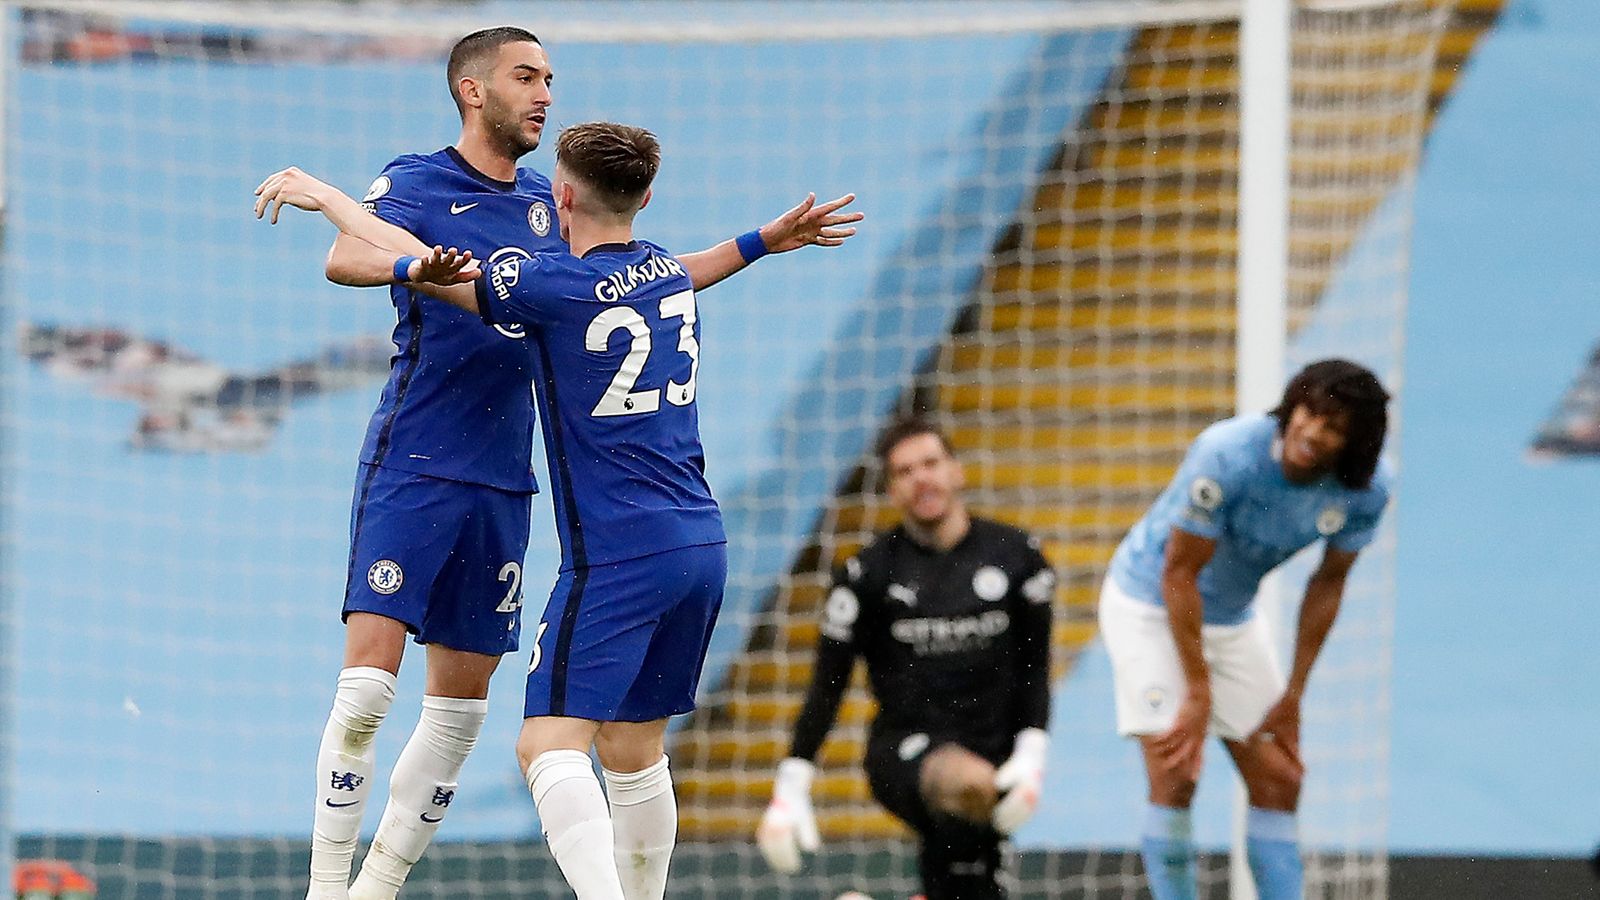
(990, 584)
(385, 576)
(1331, 520)
(539, 218)
(1155, 698)
(1205, 493)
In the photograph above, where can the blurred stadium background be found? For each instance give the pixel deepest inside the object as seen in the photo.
(1049, 270)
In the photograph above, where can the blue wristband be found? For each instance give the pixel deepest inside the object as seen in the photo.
(402, 268)
(751, 246)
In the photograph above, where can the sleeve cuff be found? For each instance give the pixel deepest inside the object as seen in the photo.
(485, 310)
(1207, 530)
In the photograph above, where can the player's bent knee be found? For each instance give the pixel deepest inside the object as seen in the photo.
(631, 746)
(957, 782)
(1277, 787)
(362, 699)
(541, 734)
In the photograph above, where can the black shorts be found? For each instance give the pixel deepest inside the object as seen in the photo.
(894, 772)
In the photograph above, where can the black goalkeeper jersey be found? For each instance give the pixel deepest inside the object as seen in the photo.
(957, 643)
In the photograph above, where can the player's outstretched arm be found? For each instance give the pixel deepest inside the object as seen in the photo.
(788, 827)
(303, 191)
(807, 223)
(443, 273)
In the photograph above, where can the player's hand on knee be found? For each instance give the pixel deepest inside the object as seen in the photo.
(789, 825)
(1020, 780)
(1282, 726)
(1182, 748)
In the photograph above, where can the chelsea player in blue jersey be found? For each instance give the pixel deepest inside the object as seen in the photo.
(440, 520)
(1187, 653)
(616, 338)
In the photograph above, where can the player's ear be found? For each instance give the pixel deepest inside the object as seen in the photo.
(471, 91)
(646, 201)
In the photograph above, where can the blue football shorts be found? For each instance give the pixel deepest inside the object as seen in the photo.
(444, 557)
(625, 642)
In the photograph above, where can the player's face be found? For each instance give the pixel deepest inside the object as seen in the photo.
(924, 480)
(516, 96)
(1313, 440)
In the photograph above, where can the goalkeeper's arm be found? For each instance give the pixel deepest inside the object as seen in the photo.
(790, 823)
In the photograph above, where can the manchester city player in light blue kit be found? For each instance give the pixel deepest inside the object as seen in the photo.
(440, 520)
(617, 340)
(1188, 654)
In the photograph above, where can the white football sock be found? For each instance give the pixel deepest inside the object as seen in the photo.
(644, 819)
(577, 826)
(420, 792)
(344, 770)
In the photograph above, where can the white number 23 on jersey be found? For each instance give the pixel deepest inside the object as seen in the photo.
(620, 398)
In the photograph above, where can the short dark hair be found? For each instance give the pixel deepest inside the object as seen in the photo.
(618, 161)
(474, 47)
(905, 429)
(1340, 386)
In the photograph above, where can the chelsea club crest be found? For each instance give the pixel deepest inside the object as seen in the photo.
(539, 218)
(385, 576)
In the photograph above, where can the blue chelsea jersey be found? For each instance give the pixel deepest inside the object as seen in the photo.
(618, 341)
(1232, 490)
(458, 402)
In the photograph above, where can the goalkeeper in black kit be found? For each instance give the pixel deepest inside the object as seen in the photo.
(952, 615)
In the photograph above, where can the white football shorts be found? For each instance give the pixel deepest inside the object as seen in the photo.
(1246, 679)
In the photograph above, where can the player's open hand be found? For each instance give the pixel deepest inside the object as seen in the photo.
(1020, 780)
(1181, 749)
(790, 824)
(1282, 727)
(445, 267)
(811, 223)
(291, 186)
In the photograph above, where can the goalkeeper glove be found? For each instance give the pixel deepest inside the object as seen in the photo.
(1020, 780)
(789, 825)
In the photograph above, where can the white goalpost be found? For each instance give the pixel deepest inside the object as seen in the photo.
(1094, 227)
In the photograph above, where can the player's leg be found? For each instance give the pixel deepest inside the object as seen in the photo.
(472, 619)
(687, 588)
(381, 606)
(961, 851)
(554, 754)
(644, 812)
(586, 654)
(1148, 686)
(1246, 683)
(345, 758)
(423, 784)
(958, 858)
(958, 783)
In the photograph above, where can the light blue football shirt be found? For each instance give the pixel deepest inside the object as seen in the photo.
(1232, 490)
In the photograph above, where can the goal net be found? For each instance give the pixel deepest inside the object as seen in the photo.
(1047, 269)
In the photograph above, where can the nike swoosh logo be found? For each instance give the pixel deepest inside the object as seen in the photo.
(432, 821)
(333, 805)
(457, 209)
